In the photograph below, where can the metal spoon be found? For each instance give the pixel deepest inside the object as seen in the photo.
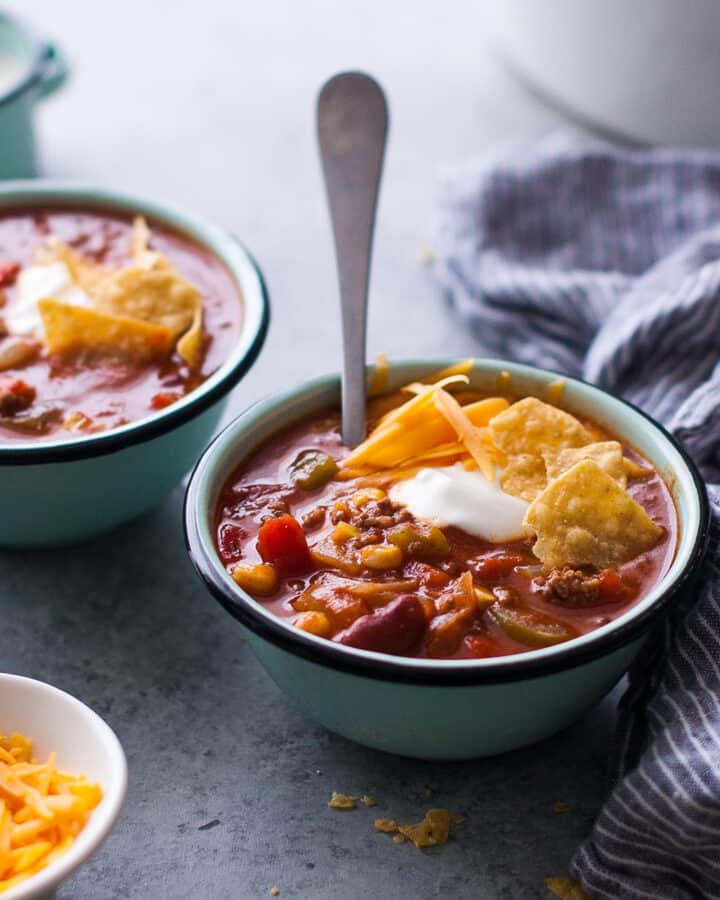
(352, 121)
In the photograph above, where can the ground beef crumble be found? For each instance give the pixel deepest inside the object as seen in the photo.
(569, 587)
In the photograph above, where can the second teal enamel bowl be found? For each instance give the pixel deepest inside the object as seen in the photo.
(30, 70)
(58, 492)
(446, 709)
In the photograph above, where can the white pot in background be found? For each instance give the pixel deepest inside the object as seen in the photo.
(646, 69)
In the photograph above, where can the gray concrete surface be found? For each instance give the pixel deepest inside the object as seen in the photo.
(210, 105)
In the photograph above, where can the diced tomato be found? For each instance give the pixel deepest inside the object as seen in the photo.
(612, 587)
(8, 272)
(15, 395)
(498, 565)
(281, 541)
(231, 538)
(480, 645)
(427, 575)
(163, 399)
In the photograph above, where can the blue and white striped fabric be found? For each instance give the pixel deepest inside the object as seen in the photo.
(606, 263)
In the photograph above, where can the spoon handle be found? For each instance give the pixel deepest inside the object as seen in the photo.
(352, 121)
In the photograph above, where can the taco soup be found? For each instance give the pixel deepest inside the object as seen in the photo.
(104, 320)
(465, 526)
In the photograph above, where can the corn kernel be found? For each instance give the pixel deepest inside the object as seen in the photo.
(314, 623)
(364, 496)
(381, 556)
(344, 531)
(260, 579)
(76, 421)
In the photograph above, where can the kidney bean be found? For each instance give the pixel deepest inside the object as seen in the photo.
(394, 628)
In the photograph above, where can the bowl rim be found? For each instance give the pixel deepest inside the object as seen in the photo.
(100, 824)
(221, 243)
(384, 667)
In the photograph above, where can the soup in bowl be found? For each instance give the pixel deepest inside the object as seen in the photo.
(502, 537)
(123, 326)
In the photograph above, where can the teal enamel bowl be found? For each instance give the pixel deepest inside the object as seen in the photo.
(445, 709)
(58, 492)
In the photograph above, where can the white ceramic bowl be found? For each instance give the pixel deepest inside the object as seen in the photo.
(85, 745)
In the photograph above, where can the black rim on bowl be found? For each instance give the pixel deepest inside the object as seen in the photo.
(524, 666)
(251, 286)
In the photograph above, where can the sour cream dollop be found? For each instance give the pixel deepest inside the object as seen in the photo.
(450, 495)
(34, 283)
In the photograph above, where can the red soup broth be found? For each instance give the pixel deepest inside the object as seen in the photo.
(118, 391)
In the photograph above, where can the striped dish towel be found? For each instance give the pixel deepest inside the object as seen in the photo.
(605, 263)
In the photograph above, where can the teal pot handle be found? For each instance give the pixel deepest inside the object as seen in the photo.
(55, 70)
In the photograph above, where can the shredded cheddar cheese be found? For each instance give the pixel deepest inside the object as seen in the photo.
(415, 409)
(378, 383)
(504, 382)
(431, 428)
(42, 810)
(554, 392)
(463, 367)
(469, 434)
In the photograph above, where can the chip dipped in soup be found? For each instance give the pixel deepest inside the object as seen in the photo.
(466, 525)
(104, 320)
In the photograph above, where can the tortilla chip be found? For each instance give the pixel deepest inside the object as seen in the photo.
(190, 345)
(524, 476)
(70, 328)
(584, 518)
(633, 470)
(158, 294)
(607, 454)
(531, 426)
(140, 239)
(342, 801)
(140, 251)
(85, 275)
(151, 290)
(387, 826)
(431, 832)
